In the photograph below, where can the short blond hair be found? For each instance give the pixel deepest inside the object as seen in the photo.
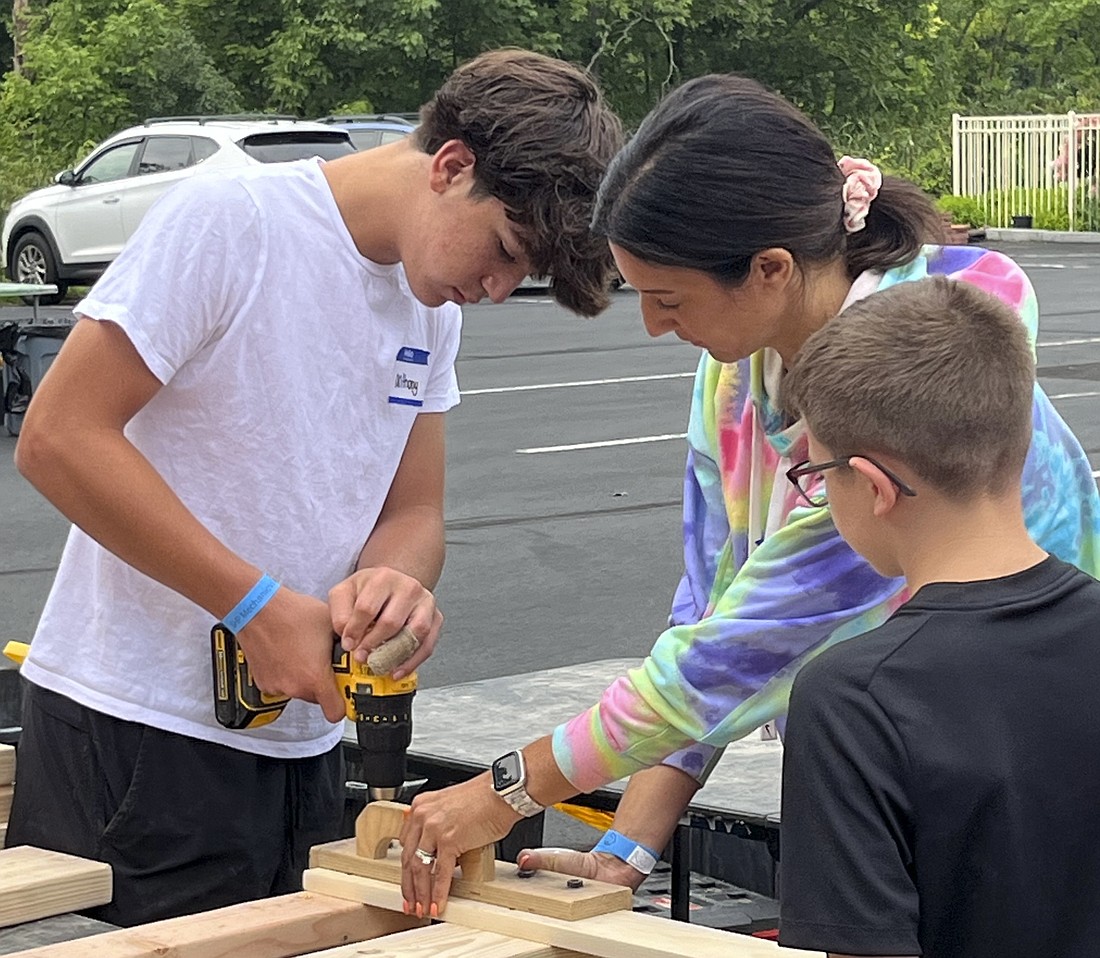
(936, 373)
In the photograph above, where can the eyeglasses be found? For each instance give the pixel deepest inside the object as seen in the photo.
(807, 478)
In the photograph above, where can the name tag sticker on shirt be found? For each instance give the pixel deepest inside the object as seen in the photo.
(410, 376)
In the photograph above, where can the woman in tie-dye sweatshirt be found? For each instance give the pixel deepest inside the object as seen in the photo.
(742, 233)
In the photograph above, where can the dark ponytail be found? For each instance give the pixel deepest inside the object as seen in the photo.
(900, 220)
(723, 168)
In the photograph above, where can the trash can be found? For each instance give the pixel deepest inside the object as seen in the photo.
(27, 350)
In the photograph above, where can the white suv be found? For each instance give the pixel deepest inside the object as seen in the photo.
(70, 232)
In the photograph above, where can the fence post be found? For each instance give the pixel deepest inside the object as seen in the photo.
(1071, 160)
(956, 160)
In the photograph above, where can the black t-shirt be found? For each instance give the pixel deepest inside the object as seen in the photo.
(941, 778)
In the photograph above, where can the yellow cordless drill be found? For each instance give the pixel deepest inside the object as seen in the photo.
(380, 705)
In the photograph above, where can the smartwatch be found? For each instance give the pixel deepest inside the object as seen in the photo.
(510, 783)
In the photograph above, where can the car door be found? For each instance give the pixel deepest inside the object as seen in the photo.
(164, 161)
(88, 220)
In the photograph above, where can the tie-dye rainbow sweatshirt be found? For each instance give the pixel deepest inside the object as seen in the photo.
(769, 583)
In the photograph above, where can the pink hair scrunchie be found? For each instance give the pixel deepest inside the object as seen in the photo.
(862, 181)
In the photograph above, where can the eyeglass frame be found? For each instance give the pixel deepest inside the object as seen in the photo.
(805, 468)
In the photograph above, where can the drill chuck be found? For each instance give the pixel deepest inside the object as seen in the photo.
(383, 728)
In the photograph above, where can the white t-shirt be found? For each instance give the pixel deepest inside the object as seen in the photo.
(293, 369)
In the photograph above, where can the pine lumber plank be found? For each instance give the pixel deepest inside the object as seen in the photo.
(6, 792)
(544, 893)
(3, 833)
(35, 883)
(270, 928)
(621, 934)
(447, 941)
(7, 764)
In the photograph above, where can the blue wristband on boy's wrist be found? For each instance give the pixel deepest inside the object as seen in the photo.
(245, 610)
(635, 854)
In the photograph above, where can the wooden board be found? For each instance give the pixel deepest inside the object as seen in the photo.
(621, 934)
(6, 793)
(35, 883)
(272, 928)
(7, 764)
(447, 941)
(542, 894)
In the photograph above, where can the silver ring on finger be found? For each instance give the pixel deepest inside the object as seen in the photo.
(426, 858)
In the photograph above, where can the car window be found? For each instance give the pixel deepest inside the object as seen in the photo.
(202, 147)
(392, 136)
(112, 165)
(165, 153)
(291, 145)
(365, 139)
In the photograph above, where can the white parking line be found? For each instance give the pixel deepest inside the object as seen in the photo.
(1028, 266)
(1096, 474)
(602, 445)
(579, 382)
(661, 376)
(1027, 257)
(1074, 395)
(1072, 342)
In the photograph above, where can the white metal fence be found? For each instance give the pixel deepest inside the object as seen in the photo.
(1038, 171)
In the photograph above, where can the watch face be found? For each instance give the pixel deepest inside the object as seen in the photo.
(506, 771)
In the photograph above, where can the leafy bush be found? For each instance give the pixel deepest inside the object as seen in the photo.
(1088, 214)
(1048, 208)
(963, 209)
(1051, 219)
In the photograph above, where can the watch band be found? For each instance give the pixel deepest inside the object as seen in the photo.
(523, 803)
(635, 854)
(516, 794)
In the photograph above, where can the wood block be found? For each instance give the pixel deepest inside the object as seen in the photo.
(270, 928)
(478, 864)
(621, 934)
(380, 823)
(447, 941)
(542, 894)
(3, 833)
(377, 825)
(35, 883)
(7, 764)
(6, 793)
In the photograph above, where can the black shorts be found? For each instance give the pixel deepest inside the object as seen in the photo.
(186, 825)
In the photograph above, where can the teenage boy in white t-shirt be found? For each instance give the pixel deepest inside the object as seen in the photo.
(256, 387)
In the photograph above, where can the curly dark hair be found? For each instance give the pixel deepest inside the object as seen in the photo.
(542, 137)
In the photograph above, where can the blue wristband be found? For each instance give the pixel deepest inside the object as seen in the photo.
(635, 854)
(245, 610)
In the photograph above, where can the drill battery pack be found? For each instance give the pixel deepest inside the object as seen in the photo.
(238, 701)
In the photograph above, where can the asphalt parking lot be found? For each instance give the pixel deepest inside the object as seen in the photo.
(565, 472)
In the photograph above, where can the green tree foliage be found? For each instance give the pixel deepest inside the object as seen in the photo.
(882, 77)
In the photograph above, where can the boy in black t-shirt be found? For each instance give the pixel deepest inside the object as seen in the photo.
(940, 783)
